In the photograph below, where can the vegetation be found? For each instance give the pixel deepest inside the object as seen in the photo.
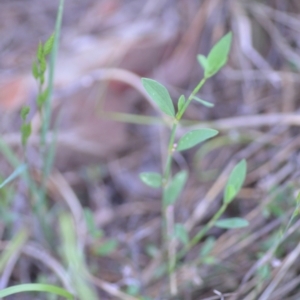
(70, 243)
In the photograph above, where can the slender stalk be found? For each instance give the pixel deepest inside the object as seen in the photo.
(46, 113)
(168, 213)
(197, 238)
(190, 98)
(171, 149)
(171, 250)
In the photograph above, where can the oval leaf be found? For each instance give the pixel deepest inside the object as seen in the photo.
(203, 102)
(218, 55)
(195, 137)
(160, 95)
(232, 223)
(202, 61)
(174, 188)
(235, 181)
(151, 179)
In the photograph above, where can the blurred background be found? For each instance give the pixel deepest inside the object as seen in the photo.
(109, 132)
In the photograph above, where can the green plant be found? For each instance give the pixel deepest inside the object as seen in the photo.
(21, 169)
(177, 240)
(172, 185)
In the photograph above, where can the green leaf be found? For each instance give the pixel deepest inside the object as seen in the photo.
(181, 234)
(17, 172)
(107, 247)
(151, 179)
(35, 70)
(207, 246)
(202, 61)
(35, 287)
(181, 102)
(232, 223)
(42, 98)
(40, 52)
(203, 102)
(14, 246)
(174, 188)
(49, 45)
(235, 181)
(218, 55)
(43, 65)
(160, 95)
(24, 112)
(26, 132)
(195, 137)
(42, 78)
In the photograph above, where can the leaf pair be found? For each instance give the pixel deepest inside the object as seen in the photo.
(217, 57)
(160, 95)
(211, 64)
(173, 188)
(39, 66)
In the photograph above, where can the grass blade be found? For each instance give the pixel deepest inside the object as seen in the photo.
(17, 172)
(35, 287)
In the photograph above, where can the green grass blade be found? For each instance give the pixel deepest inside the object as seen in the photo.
(46, 121)
(35, 287)
(17, 172)
(13, 247)
(74, 257)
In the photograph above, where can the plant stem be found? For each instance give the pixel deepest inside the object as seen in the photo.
(168, 212)
(196, 239)
(168, 215)
(171, 249)
(190, 98)
(169, 156)
(46, 113)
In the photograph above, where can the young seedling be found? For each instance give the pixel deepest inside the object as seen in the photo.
(172, 185)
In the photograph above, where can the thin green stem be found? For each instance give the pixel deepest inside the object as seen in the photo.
(171, 149)
(46, 121)
(47, 112)
(168, 223)
(197, 238)
(190, 98)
